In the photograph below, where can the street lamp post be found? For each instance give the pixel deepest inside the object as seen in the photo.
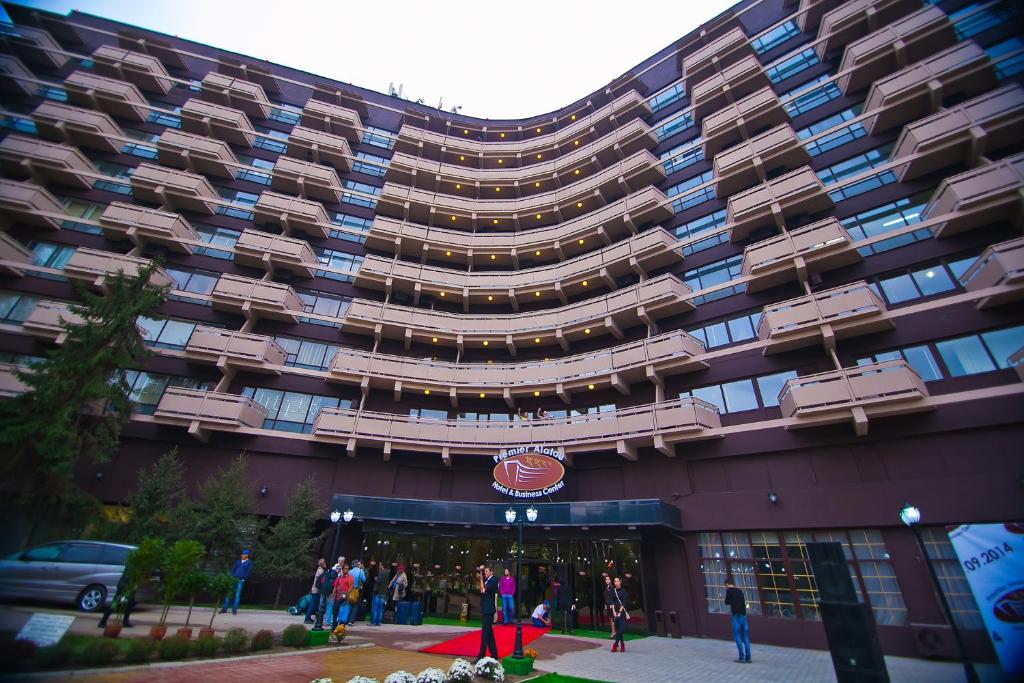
(510, 517)
(335, 517)
(911, 516)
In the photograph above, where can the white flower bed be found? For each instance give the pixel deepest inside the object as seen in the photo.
(400, 677)
(491, 669)
(460, 671)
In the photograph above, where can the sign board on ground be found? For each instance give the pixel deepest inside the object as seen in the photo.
(45, 629)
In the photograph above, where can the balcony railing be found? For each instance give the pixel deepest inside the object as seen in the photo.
(854, 394)
(174, 189)
(745, 164)
(976, 198)
(36, 46)
(15, 77)
(855, 19)
(811, 12)
(117, 98)
(716, 55)
(291, 214)
(817, 247)
(215, 121)
(961, 134)
(204, 410)
(254, 352)
(736, 81)
(143, 70)
(999, 264)
(1016, 361)
(259, 298)
(46, 321)
(142, 225)
(265, 250)
(46, 162)
(197, 154)
(660, 425)
(306, 179)
(12, 251)
(320, 148)
(334, 119)
(93, 267)
(732, 121)
(904, 41)
(797, 192)
(235, 93)
(25, 203)
(847, 311)
(10, 385)
(77, 126)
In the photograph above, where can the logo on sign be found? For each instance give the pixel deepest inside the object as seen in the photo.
(529, 472)
(1010, 607)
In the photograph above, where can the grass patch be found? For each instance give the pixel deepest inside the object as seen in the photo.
(603, 635)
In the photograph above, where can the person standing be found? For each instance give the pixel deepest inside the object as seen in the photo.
(399, 584)
(381, 584)
(120, 594)
(561, 600)
(737, 603)
(240, 570)
(327, 580)
(356, 601)
(619, 615)
(314, 591)
(507, 591)
(342, 587)
(608, 588)
(488, 592)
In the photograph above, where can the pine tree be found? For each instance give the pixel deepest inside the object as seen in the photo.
(220, 519)
(286, 552)
(160, 505)
(77, 398)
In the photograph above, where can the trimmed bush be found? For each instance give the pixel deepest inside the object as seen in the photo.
(14, 653)
(100, 652)
(235, 640)
(207, 646)
(295, 635)
(54, 656)
(139, 650)
(174, 648)
(263, 640)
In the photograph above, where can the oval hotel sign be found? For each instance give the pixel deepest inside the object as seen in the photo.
(529, 472)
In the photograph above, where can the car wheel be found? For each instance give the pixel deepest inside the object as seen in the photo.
(92, 598)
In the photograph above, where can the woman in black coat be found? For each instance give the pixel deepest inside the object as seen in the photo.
(619, 614)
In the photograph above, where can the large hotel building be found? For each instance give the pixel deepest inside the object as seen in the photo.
(762, 288)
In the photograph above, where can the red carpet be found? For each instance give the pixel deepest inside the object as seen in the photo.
(468, 645)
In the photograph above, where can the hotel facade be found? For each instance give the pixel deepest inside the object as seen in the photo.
(761, 289)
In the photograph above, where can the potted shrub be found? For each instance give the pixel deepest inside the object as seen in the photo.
(180, 560)
(220, 586)
(193, 584)
(140, 567)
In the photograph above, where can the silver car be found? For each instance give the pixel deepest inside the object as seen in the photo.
(81, 572)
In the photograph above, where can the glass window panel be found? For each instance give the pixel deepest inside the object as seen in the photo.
(923, 362)
(739, 395)
(740, 329)
(769, 387)
(717, 334)
(900, 288)
(934, 280)
(269, 399)
(712, 395)
(294, 407)
(1004, 343)
(176, 333)
(965, 356)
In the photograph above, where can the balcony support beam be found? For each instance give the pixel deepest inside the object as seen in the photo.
(663, 446)
(198, 432)
(626, 450)
(350, 447)
(860, 421)
(387, 451)
(506, 394)
(613, 326)
(563, 394)
(620, 386)
(398, 390)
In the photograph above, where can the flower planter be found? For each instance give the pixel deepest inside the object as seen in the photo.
(112, 630)
(516, 666)
(319, 637)
(157, 632)
(206, 633)
(185, 632)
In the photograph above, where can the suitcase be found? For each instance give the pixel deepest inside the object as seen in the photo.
(416, 614)
(402, 612)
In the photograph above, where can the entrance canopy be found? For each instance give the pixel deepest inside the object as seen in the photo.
(594, 513)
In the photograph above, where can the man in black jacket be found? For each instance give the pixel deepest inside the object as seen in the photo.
(488, 593)
(129, 602)
(737, 603)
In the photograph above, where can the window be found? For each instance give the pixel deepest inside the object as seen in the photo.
(260, 171)
(270, 140)
(144, 144)
(224, 237)
(951, 577)
(699, 225)
(484, 417)
(82, 209)
(81, 553)
(1008, 56)
(22, 360)
(323, 304)
(682, 156)
(688, 197)
(921, 281)
(667, 97)
(790, 66)
(676, 124)
(165, 334)
(195, 281)
(836, 138)
(291, 411)
(237, 197)
(378, 137)
(371, 164)
(355, 229)
(337, 259)
(848, 168)
(16, 307)
(919, 358)
(728, 331)
(806, 97)
(715, 273)
(52, 92)
(19, 124)
(115, 171)
(742, 394)
(359, 199)
(49, 255)
(286, 113)
(774, 37)
(46, 553)
(147, 388)
(973, 19)
(886, 218)
(428, 413)
(303, 353)
(170, 119)
(977, 353)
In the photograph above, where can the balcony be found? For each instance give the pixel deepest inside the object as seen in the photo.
(1000, 265)
(736, 121)
(853, 394)
(291, 214)
(135, 67)
(47, 320)
(12, 251)
(797, 192)
(716, 55)
(10, 385)
(791, 256)
(640, 170)
(642, 303)
(253, 352)
(961, 134)
(94, 267)
(811, 12)
(660, 425)
(729, 85)
(976, 198)
(272, 252)
(1016, 361)
(554, 243)
(15, 77)
(650, 359)
(963, 70)
(320, 148)
(46, 162)
(235, 93)
(215, 121)
(143, 226)
(330, 118)
(197, 154)
(306, 179)
(254, 73)
(205, 410)
(747, 164)
(894, 46)
(174, 189)
(640, 254)
(76, 126)
(822, 317)
(28, 204)
(256, 298)
(117, 98)
(855, 19)
(35, 46)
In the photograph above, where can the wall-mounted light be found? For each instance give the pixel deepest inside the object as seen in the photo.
(264, 490)
(773, 498)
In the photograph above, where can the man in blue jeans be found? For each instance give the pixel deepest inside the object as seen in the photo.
(241, 570)
(380, 594)
(737, 603)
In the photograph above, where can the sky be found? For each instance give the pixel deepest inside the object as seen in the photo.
(506, 60)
